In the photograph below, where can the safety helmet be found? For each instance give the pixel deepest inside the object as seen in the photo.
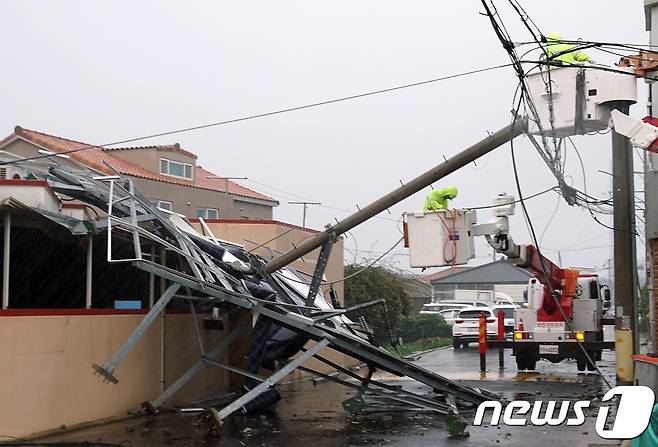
(449, 192)
(554, 37)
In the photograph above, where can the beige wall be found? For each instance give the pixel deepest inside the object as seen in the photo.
(200, 198)
(47, 379)
(145, 158)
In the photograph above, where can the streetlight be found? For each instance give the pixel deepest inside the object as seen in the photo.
(226, 179)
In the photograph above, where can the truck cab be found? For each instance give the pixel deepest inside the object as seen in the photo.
(557, 340)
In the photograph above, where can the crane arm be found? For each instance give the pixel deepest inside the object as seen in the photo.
(552, 277)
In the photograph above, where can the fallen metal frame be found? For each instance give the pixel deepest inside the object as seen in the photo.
(132, 213)
(341, 341)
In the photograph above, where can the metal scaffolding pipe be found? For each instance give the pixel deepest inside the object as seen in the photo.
(6, 258)
(88, 283)
(436, 173)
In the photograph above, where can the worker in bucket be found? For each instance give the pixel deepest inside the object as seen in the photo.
(437, 199)
(568, 57)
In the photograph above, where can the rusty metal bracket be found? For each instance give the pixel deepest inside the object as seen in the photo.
(644, 63)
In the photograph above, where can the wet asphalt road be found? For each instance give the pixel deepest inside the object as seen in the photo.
(312, 414)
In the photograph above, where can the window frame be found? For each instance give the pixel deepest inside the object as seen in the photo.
(158, 203)
(202, 212)
(185, 166)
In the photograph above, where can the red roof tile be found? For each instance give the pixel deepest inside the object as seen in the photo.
(160, 148)
(95, 157)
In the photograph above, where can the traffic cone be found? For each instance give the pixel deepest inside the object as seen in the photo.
(521, 328)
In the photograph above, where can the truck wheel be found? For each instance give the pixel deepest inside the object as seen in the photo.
(455, 344)
(521, 362)
(591, 366)
(581, 364)
(531, 364)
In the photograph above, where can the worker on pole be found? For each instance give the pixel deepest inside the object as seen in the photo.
(438, 199)
(564, 52)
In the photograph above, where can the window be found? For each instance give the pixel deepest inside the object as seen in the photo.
(175, 168)
(474, 313)
(165, 205)
(207, 213)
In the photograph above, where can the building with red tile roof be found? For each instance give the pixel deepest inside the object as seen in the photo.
(168, 174)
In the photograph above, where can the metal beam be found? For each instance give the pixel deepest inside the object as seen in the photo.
(234, 369)
(6, 259)
(197, 331)
(376, 383)
(412, 400)
(89, 270)
(324, 314)
(320, 267)
(424, 180)
(187, 375)
(263, 386)
(107, 369)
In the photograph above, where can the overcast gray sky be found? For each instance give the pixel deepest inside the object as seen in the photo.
(106, 71)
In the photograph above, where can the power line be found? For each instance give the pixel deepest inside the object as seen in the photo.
(515, 201)
(506, 42)
(370, 265)
(266, 114)
(297, 196)
(569, 250)
(589, 67)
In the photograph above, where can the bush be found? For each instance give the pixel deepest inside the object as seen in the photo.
(418, 327)
(374, 283)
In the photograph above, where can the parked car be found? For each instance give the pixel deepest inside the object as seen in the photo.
(465, 329)
(449, 315)
(434, 308)
(508, 310)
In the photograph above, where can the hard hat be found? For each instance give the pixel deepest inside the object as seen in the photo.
(449, 192)
(554, 36)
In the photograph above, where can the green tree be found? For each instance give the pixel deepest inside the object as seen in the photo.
(374, 283)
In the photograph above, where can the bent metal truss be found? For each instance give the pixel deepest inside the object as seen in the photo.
(294, 322)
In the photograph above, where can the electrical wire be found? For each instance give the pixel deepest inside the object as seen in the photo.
(544, 271)
(635, 46)
(550, 220)
(366, 267)
(525, 95)
(554, 188)
(589, 67)
(582, 167)
(328, 283)
(266, 114)
(321, 205)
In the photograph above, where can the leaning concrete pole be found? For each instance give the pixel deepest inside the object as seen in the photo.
(436, 173)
